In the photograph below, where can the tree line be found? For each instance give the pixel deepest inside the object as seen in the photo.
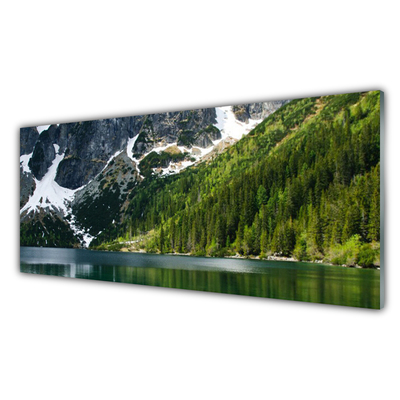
(304, 183)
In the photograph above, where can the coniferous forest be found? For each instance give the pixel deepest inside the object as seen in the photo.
(305, 183)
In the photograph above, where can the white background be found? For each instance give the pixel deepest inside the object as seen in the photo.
(74, 339)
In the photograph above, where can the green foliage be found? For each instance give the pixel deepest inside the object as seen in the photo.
(155, 160)
(115, 246)
(47, 232)
(369, 255)
(346, 254)
(304, 182)
(104, 209)
(301, 251)
(186, 138)
(354, 252)
(262, 196)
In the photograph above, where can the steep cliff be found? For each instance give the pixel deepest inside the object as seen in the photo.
(28, 138)
(84, 173)
(244, 112)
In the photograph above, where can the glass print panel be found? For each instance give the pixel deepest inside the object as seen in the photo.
(275, 199)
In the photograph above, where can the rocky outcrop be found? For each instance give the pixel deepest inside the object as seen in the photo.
(100, 202)
(44, 151)
(183, 127)
(219, 148)
(89, 146)
(27, 185)
(120, 171)
(28, 138)
(205, 137)
(95, 156)
(244, 112)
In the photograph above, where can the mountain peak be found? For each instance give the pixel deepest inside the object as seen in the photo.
(75, 166)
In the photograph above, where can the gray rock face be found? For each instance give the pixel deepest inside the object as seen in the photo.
(89, 146)
(28, 138)
(27, 185)
(121, 171)
(244, 112)
(205, 138)
(101, 201)
(44, 151)
(183, 127)
(107, 189)
(73, 173)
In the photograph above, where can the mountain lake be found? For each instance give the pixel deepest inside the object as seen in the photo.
(309, 282)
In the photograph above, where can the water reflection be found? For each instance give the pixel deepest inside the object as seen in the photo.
(298, 281)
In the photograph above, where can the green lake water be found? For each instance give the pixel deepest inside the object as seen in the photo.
(309, 282)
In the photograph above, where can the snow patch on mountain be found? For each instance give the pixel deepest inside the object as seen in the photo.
(174, 168)
(230, 126)
(129, 147)
(203, 152)
(42, 128)
(87, 237)
(48, 193)
(129, 152)
(23, 161)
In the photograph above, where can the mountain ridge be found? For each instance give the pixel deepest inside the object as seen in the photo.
(303, 183)
(62, 163)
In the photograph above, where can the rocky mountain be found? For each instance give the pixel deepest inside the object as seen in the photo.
(303, 184)
(28, 138)
(77, 178)
(244, 112)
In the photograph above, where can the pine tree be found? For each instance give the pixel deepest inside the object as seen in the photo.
(162, 239)
(262, 197)
(374, 217)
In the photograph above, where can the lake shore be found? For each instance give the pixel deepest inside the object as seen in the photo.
(251, 257)
(236, 256)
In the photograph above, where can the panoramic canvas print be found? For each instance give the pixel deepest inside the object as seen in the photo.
(275, 199)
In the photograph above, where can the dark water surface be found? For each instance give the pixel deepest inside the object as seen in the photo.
(273, 279)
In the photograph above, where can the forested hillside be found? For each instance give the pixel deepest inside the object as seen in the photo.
(76, 179)
(304, 183)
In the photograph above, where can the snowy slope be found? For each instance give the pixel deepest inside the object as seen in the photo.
(49, 196)
(24, 160)
(42, 128)
(129, 146)
(230, 126)
(48, 193)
